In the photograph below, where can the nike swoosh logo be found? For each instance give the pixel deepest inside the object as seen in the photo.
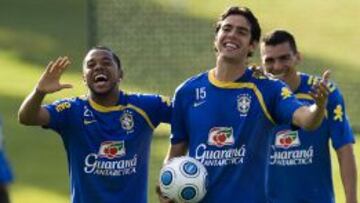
(196, 104)
(89, 122)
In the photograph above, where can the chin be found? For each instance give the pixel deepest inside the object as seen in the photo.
(231, 57)
(101, 91)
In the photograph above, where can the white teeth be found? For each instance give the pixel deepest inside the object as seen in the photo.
(101, 77)
(231, 45)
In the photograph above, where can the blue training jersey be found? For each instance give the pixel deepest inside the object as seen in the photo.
(108, 147)
(300, 165)
(6, 176)
(227, 126)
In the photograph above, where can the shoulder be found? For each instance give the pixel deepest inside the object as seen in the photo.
(192, 82)
(307, 80)
(146, 99)
(314, 79)
(266, 82)
(68, 103)
(311, 80)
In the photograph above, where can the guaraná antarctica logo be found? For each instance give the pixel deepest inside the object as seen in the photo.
(109, 161)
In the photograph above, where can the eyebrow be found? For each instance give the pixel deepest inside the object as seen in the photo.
(278, 57)
(238, 28)
(105, 58)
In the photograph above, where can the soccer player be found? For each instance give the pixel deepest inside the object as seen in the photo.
(300, 164)
(223, 117)
(5, 171)
(106, 134)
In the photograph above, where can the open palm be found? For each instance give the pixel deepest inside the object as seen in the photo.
(50, 80)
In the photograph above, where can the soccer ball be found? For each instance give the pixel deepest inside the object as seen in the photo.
(183, 179)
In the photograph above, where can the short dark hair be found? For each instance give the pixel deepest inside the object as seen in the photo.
(279, 36)
(116, 58)
(246, 13)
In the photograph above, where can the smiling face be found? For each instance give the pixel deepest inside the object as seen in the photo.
(101, 72)
(279, 60)
(233, 40)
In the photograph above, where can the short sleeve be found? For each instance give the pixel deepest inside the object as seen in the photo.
(157, 108)
(59, 112)
(340, 130)
(178, 128)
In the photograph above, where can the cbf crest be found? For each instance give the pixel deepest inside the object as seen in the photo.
(243, 104)
(127, 121)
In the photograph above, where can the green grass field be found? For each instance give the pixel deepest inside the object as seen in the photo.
(31, 33)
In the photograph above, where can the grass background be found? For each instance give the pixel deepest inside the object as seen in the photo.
(167, 41)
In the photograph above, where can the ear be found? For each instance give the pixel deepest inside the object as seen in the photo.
(84, 79)
(121, 74)
(252, 48)
(299, 57)
(253, 45)
(214, 45)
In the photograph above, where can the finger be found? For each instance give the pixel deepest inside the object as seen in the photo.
(323, 88)
(326, 75)
(63, 61)
(64, 65)
(49, 66)
(58, 60)
(315, 92)
(66, 86)
(55, 65)
(59, 64)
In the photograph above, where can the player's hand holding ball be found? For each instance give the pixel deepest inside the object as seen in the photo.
(182, 179)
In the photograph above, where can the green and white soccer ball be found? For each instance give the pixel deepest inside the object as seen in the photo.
(183, 179)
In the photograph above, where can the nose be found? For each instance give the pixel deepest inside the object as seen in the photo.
(232, 33)
(97, 66)
(277, 66)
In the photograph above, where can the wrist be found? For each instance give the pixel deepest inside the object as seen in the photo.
(39, 92)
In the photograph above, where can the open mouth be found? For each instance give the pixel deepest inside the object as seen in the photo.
(100, 78)
(231, 45)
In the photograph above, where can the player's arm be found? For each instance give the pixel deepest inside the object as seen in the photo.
(310, 117)
(175, 150)
(348, 173)
(31, 112)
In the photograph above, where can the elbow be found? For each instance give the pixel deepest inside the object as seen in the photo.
(22, 119)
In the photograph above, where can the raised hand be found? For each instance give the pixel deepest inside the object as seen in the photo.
(50, 80)
(320, 92)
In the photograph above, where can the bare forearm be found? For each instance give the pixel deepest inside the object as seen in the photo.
(309, 118)
(30, 112)
(348, 173)
(316, 115)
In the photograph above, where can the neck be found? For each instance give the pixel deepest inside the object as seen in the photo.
(108, 99)
(229, 71)
(293, 81)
